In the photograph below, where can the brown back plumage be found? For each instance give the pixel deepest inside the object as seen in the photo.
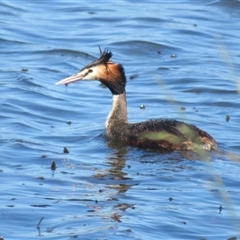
(164, 134)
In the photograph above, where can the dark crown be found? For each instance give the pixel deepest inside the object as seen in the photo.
(103, 59)
(104, 56)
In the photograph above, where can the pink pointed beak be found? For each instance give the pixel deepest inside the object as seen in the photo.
(74, 78)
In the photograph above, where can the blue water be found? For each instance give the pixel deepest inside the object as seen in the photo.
(182, 61)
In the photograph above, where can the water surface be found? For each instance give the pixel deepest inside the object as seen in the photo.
(181, 60)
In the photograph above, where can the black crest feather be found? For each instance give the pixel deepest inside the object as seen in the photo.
(104, 56)
(103, 59)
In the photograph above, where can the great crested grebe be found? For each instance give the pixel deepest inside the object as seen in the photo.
(162, 134)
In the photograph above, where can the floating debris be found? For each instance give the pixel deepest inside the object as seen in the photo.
(170, 199)
(38, 226)
(227, 118)
(195, 109)
(173, 56)
(44, 156)
(65, 150)
(133, 76)
(24, 70)
(183, 108)
(232, 238)
(220, 209)
(162, 68)
(142, 106)
(53, 166)
(69, 122)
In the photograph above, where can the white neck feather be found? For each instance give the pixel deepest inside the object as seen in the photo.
(118, 113)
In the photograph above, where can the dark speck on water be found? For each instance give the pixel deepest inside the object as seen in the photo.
(220, 209)
(53, 166)
(65, 150)
(174, 53)
(227, 118)
(41, 178)
(133, 76)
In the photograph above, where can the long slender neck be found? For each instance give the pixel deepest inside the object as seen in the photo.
(118, 113)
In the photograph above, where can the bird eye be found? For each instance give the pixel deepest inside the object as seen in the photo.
(90, 70)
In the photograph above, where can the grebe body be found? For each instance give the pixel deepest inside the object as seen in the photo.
(162, 134)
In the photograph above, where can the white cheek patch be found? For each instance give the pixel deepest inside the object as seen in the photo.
(94, 72)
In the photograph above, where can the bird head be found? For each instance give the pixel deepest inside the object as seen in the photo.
(110, 74)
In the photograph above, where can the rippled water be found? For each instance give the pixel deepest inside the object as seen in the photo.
(182, 61)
